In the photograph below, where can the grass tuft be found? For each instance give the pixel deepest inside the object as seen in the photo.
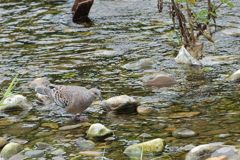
(10, 88)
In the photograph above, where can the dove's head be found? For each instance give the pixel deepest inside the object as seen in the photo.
(96, 93)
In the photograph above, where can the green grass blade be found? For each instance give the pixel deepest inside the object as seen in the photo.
(8, 92)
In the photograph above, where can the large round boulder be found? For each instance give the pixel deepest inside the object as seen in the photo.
(10, 150)
(121, 104)
(14, 101)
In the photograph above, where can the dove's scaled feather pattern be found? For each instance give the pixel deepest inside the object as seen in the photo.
(75, 99)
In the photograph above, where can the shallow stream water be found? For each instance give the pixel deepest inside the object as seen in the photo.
(37, 38)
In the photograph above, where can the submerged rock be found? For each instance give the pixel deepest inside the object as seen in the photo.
(11, 149)
(84, 144)
(69, 127)
(106, 53)
(91, 153)
(224, 135)
(232, 32)
(146, 63)
(183, 133)
(186, 58)
(98, 130)
(35, 153)
(121, 104)
(44, 134)
(22, 128)
(58, 158)
(51, 125)
(110, 139)
(187, 147)
(184, 115)
(235, 77)
(145, 135)
(153, 146)
(19, 141)
(43, 146)
(213, 150)
(5, 122)
(219, 60)
(58, 152)
(19, 156)
(158, 80)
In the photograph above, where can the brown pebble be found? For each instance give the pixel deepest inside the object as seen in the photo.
(3, 141)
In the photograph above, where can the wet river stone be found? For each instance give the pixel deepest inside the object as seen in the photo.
(145, 135)
(154, 146)
(84, 144)
(14, 101)
(145, 110)
(224, 135)
(43, 146)
(51, 125)
(183, 133)
(235, 77)
(106, 53)
(20, 141)
(5, 122)
(58, 158)
(146, 63)
(91, 155)
(69, 127)
(11, 149)
(98, 131)
(219, 60)
(232, 32)
(19, 156)
(3, 141)
(58, 152)
(22, 128)
(121, 104)
(158, 80)
(187, 147)
(34, 153)
(39, 82)
(213, 150)
(183, 115)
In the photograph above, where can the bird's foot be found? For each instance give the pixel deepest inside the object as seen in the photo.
(79, 118)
